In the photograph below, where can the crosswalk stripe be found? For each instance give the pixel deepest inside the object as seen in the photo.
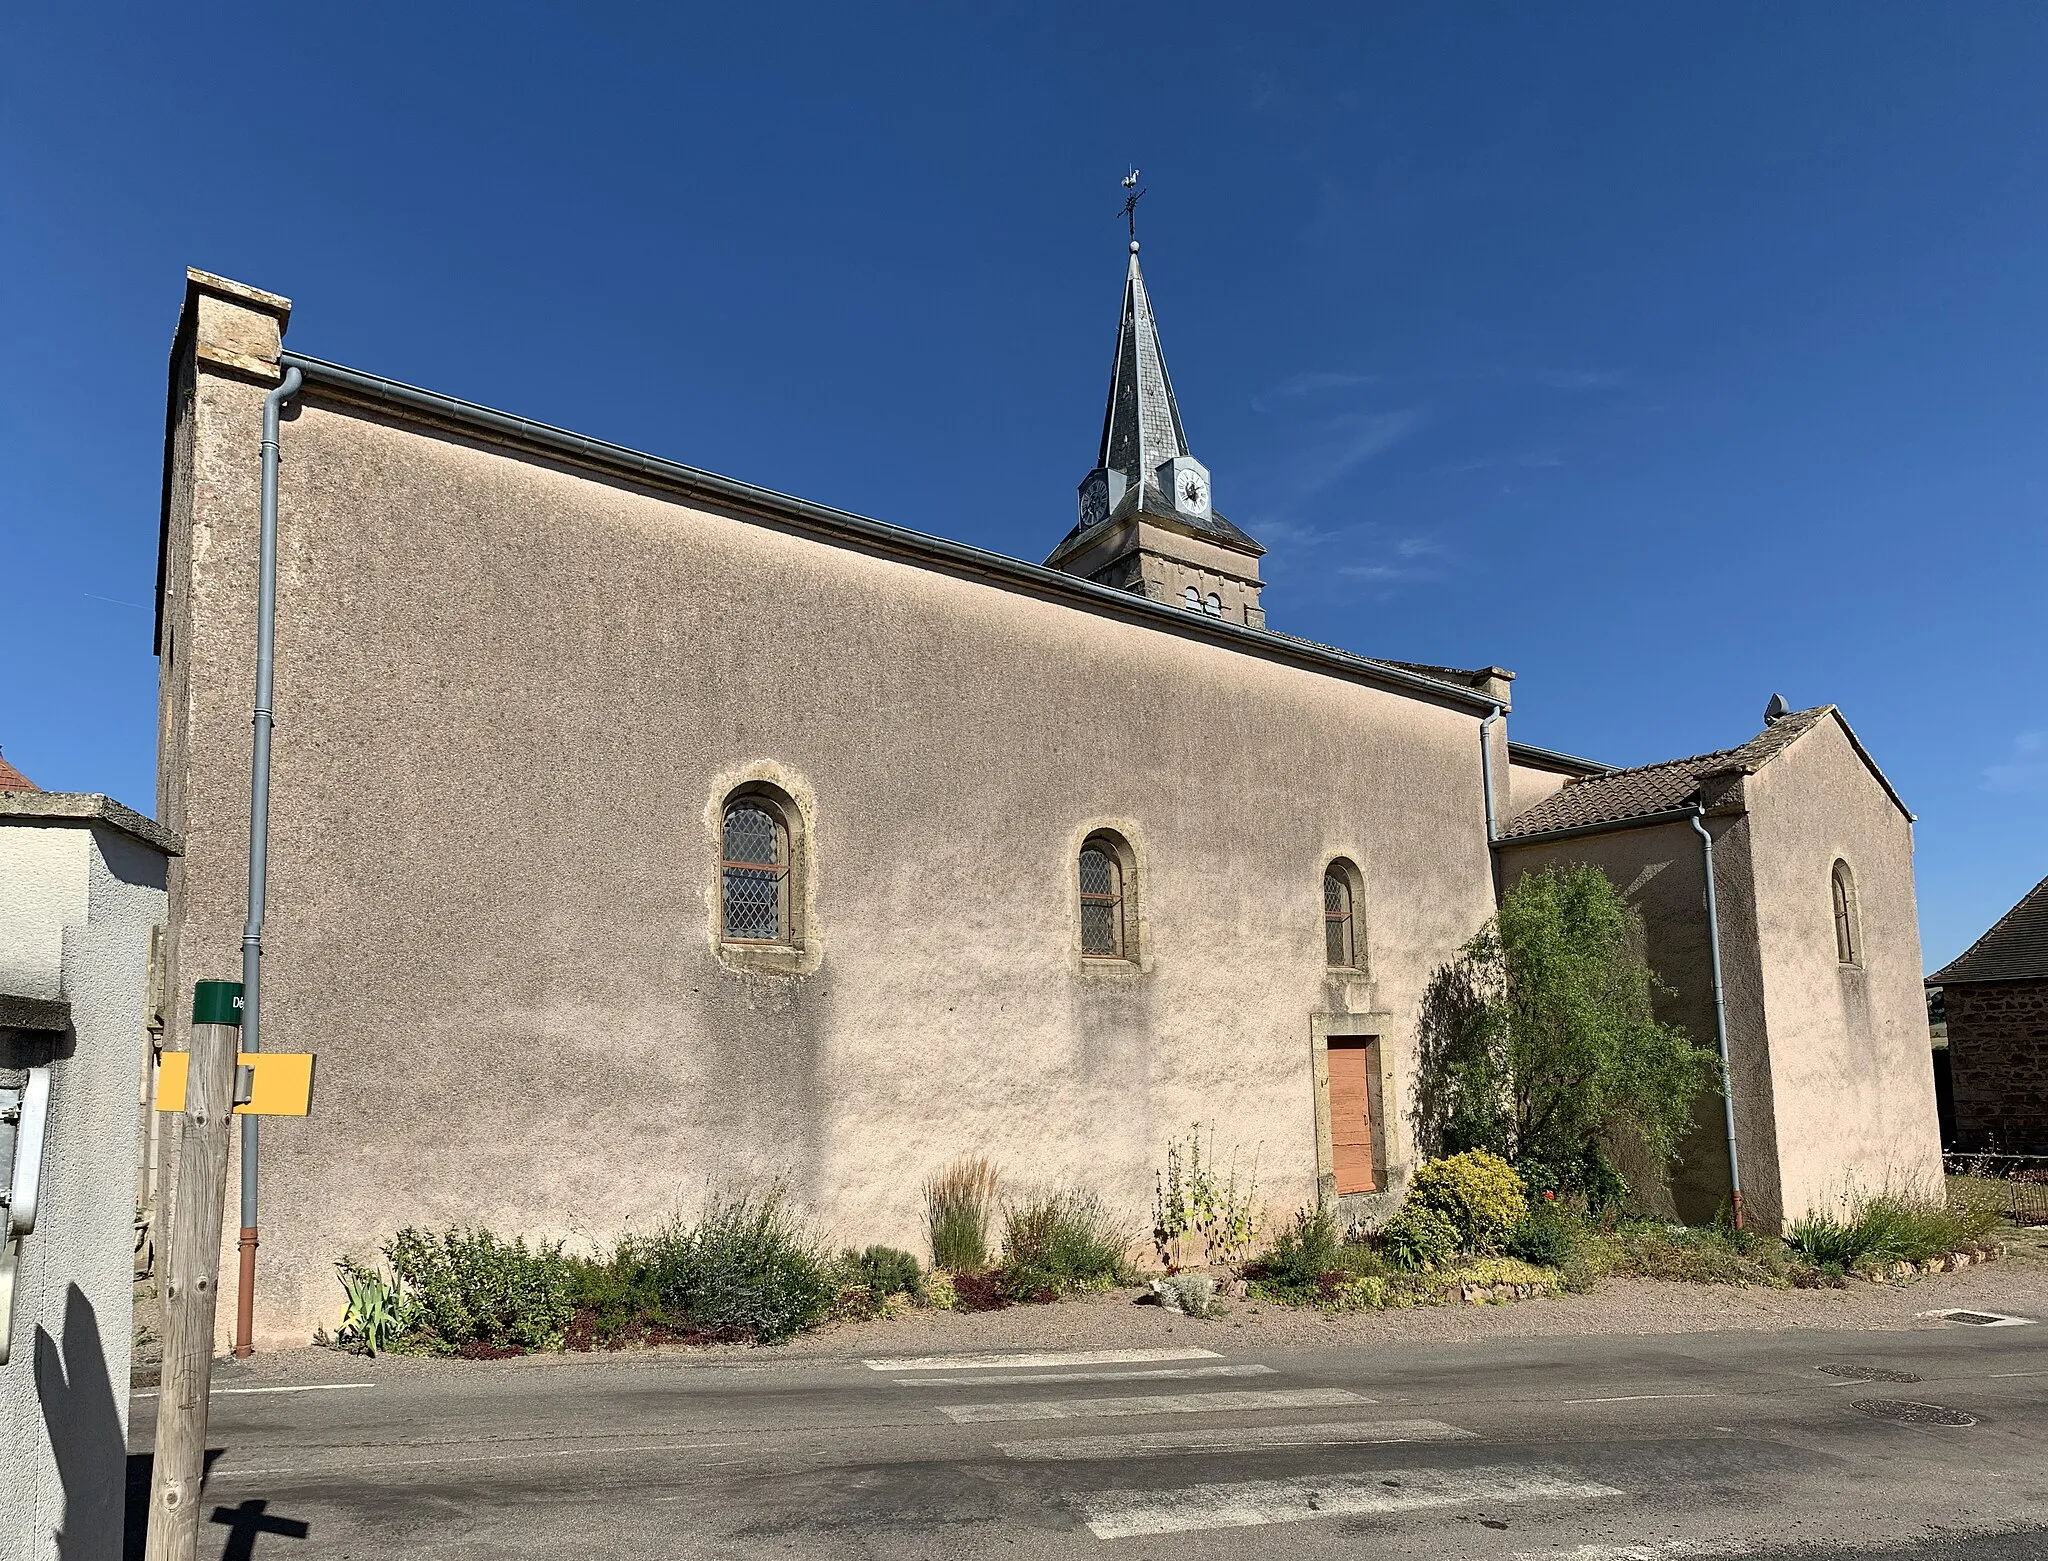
(1031, 1358)
(1136, 1374)
(1241, 1439)
(1254, 1503)
(1158, 1404)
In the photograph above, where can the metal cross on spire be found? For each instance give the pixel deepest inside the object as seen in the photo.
(1131, 200)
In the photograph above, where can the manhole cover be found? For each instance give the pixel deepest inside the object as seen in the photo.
(1979, 1318)
(1908, 1413)
(1868, 1374)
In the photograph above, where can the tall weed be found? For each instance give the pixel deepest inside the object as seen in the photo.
(1059, 1243)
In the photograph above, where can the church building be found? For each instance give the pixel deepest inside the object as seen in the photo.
(635, 830)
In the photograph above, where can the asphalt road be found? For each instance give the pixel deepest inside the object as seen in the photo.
(1582, 1449)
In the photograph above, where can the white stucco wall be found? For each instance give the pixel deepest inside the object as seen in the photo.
(77, 901)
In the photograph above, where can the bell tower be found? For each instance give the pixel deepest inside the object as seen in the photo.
(1148, 521)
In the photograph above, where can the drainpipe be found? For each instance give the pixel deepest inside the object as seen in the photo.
(259, 845)
(1486, 770)
(1698, 817)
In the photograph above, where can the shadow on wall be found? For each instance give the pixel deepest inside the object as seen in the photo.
(85, 1431)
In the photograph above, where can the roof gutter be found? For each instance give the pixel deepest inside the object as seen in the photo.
(899, 540)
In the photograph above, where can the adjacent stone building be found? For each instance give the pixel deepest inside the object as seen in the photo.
(1996, 1001)
(635, 828)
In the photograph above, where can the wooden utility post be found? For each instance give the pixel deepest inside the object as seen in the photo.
(192, 1273)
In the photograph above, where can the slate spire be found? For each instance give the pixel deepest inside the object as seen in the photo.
(1141, 425)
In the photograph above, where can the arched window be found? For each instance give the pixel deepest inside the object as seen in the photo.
(1103, 911)
(755, 868)
(1340, 934)
(1213, 606)
(1192, 598)
(1848, 935)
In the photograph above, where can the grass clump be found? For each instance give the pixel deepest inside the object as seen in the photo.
(958, 1204)
(1310, 1265)
(1887, 1229)
(873, 1279)
(467, 1292)
(1062, 1243)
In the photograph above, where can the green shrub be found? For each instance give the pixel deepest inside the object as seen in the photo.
(1059, 1243)
(1419, 1236)
(1478, 1193)
(744, 1269)
(1306, 1248)
(465, 1292)
(958, 1203)
(886, 1271)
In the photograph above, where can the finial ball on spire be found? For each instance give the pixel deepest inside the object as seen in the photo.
(1134, 246)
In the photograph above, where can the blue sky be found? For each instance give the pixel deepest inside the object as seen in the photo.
(1668, 356)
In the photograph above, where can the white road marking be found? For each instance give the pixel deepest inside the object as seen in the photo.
(1254, 1503)
(2018, 1373)
(1031, 1358)
(302, 1387)
(1161, 1404)
(1171, 1374)
(1637, 1398)
(1242, 1439)
(354, 1467)
(1659, 1550)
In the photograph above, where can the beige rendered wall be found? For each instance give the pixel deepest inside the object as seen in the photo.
(1849, 1053)
(1528, 786)
(1661, 873)
(509, 700)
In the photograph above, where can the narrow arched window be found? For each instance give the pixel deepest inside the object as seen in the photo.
(1340, 932)
(1102, 899)
(1848, 936)
(1213, 606)
(755, 871)
(1192, 598)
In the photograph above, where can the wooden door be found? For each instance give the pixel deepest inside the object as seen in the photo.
(1351, 1113)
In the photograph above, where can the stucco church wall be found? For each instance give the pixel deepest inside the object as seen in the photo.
(509, 697)
(1528, 786)
(1660, 872)
(1849, 1053)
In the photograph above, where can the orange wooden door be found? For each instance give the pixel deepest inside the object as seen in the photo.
(1351, 1115)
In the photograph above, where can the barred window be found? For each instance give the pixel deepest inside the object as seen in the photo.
(755, 870)
(1848, 936)
(1339, 943)
(1102, 900)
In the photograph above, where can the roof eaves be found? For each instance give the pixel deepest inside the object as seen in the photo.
(1551, 759)
(506, 427)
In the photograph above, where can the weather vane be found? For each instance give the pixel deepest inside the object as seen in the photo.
(1131, 201)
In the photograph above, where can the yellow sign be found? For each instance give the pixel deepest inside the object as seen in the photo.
(281, 1083)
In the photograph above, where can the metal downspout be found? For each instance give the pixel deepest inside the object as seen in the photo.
(1698, 817)
(1486, 771)
(259, 843)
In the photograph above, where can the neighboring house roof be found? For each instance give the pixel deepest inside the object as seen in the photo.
(2015, 949)
(71, 808)
(1558, 763)
(12, 779)
(1620, 796)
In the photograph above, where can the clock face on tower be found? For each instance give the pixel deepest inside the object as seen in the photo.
(1094, 504)
(1193, 493)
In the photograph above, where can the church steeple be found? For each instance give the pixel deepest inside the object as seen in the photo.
(1147, 521)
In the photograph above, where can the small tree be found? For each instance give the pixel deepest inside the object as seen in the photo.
(1540, 1043)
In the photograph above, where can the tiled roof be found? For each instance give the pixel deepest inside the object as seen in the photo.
(12, 779)
(1649, 789)
(2016, 949)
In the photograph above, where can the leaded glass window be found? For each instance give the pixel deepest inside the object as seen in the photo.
(1102, 902)
(1339, 944)
(755, 870)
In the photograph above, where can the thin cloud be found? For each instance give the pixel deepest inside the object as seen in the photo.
(2026, 770)
(1342, 444)
(1298, 386)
